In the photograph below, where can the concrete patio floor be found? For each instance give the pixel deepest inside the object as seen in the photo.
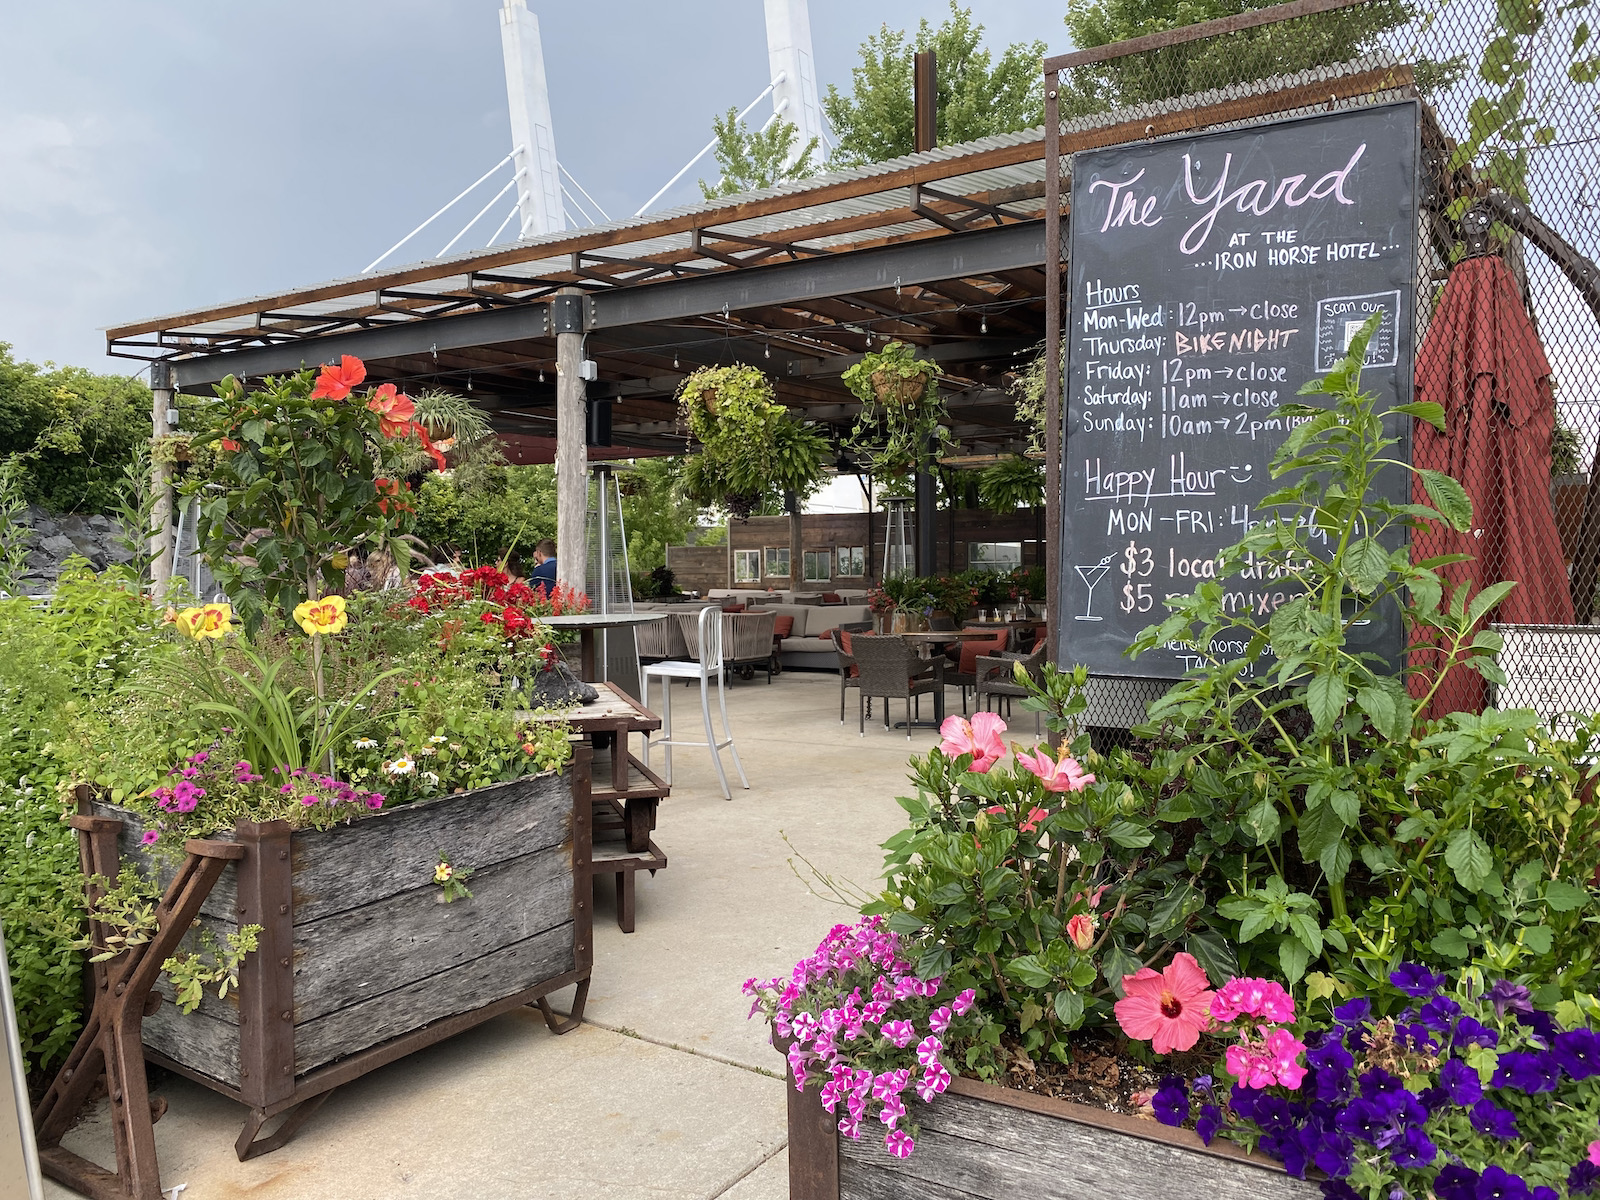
(666, 1090)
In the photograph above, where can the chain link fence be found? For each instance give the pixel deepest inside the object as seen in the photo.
(1507, 303)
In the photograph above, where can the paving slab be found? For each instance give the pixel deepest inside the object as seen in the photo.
(506, 1110)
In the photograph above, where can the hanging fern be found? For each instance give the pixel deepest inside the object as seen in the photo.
(1012, 483)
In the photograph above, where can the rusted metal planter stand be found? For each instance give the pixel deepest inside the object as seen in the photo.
(358, 963)
(983, 1141)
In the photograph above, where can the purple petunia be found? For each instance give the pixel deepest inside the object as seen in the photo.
(1416, 980)
(1209, 1121)
(1583, 1178)
(1456, 1182)
(1489, 1118)
(1524, 1072)
(1461, 1082)
(1509, 997)
(1470, 1032)
(1353, 1012)
(1171, 1101)
(1578, 1052)
(1439, 1013)
(1414, 1150)
(1497, 1183)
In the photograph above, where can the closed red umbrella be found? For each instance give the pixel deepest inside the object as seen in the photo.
(1482, 361)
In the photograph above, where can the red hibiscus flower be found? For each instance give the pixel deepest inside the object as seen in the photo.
(394, 408)
(334, 383)
(231, 446)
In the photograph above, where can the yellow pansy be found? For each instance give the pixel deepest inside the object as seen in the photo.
(321, 616)
(205, 621)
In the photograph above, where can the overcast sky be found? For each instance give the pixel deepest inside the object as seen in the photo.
(171, 153)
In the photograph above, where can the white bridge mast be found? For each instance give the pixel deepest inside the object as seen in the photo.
(794, 94)
(533, 135)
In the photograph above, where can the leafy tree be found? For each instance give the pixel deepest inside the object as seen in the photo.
(1298, 45)
(656, 511)
(71, 430)
(977, 96)
(498, 511)
(755, 160)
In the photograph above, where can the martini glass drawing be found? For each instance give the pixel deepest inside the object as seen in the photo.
(1091, 575)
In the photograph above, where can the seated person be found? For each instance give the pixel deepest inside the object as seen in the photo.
(544, 570)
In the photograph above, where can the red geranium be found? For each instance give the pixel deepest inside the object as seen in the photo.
(335, 383)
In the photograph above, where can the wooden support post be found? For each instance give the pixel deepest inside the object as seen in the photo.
(925, 99)
(162, 550)
(572, 458)
(791, 504)
(1053, 448)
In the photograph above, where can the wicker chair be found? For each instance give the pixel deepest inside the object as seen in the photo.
(996, 676)
(891, 668)
(849, 674)
(966, 673)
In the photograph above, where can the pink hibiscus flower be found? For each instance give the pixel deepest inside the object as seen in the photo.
(1169, 1008)
(980, 738)
(1066, 775)
(1080, 929)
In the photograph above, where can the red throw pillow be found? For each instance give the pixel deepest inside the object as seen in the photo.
(733, 608)
(825, 634)
(844, 643)
(783, 627)
(971, 651)
(831, 598)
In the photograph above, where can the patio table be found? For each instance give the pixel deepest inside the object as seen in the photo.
(588, 623)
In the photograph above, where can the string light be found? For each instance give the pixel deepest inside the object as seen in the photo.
(674, 360)
(769, 350)
(984, 327)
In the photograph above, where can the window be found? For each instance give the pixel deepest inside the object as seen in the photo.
(816, 565)
(777, 562)
(852, 561)
(994, 556)
(747, 566)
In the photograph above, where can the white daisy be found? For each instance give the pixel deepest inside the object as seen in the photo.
(400, 766)
(431, 777)
(438, 738)
(426, 750)
(364, 744)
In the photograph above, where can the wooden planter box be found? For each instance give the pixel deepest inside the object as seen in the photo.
(978, 1140)
(360, 963)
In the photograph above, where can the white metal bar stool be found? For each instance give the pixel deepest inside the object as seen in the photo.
(706, 665)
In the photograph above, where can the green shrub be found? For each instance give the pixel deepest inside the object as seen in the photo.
(73, 430)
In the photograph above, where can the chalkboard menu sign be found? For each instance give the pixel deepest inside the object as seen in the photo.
(1210, 277)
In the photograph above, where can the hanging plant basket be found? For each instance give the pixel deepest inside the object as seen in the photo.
(708, 400)
(894, 388)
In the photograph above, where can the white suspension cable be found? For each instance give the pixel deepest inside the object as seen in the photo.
(441, 212)
(585, 191)
(493, 200)
(709, 146)
(583, 212)
(510, 216)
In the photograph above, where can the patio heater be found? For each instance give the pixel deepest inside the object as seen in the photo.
(897, 558)
(607, 582)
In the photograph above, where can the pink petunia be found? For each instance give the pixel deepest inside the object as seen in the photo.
(893, 1109)
(150, 838)
(850, 1127)
(899, 1144)
(980, 738)
(939, 1018)
(964, 1001)
(901, 1033)
(1169, 1008)
(1594, 1153)
(928, 1050)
